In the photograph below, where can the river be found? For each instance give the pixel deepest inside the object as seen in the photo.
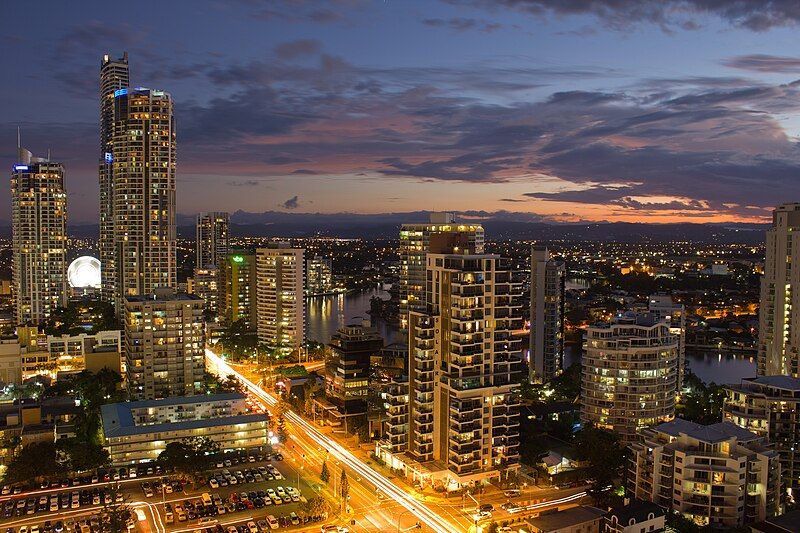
(326, 314)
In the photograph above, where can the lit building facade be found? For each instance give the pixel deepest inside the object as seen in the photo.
(769, 406)
(39, 237)
(207, 286)
(143, 192)
(280, 300)
(547, 315)
(164, 343)
(79, 352)
(464, 370)
(629, 374)
(442, 235)
(319, 275)
(779, 309)
(237, 300)
(114, 77)
(135, 432)
(348, 371)
(719, 475)
(674, 314)
(212, 238)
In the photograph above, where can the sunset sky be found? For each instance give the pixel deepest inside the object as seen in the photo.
(659, 111)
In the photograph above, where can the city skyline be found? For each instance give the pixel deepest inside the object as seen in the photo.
(663, 113)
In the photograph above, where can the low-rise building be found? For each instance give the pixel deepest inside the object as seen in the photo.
(636, 517)
(768, 406)
(580, 519)
(718, 475)
(134, 432)
(786, 523)
(76, 352)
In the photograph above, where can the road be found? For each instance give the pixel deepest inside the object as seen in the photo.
(377, 504)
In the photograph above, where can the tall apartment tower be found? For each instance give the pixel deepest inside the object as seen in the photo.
(442, 235)
(39, 237)
(212, 238)
(464, 369)
(164, 344)
(280, 302)
(779, 312)
(114, 76)
(674, 314)
(629, 374)
(547, 315)
(143, 192)
(237, 299)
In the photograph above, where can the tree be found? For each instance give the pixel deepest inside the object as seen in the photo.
(325, 475)
(190, 456)
(606, 457)
(83, 455)
(344, 488)
(114, 516)
(38, 460)
(316, 505)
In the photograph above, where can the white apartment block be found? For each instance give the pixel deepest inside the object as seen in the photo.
(280, 300)
(779, 310)
(164, 343)
(718, 475)
(139, 431)
(629, 374)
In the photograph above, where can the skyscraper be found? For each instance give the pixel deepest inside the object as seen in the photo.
(237, 300)
(39, 237)
(212, 238)
(779, 311)
(464, 369)
(143, 192)
(319, 275)
(674, 314)
(442, 235)
(629, 374)
(164, 343)
(280, 273)
(547, 315)
(114, 76)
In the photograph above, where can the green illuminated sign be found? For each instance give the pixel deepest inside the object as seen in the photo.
(238, 259)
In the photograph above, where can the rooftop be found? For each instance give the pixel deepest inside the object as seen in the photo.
(639, 510)
(779, 382)
(564, 519)
(712, 433)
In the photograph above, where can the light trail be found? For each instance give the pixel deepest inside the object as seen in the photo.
(417, 508)
(566, 499)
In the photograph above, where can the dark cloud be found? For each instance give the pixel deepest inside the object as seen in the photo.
(304, 172)
(291, 203)
(764, 63)
(463, 24)
(755, 15)
(298, 48)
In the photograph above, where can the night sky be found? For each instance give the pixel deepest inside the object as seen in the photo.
(570, 110)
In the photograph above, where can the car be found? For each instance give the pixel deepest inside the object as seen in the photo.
(59, 527)
(23, 529)
(262, 526)
(54, 505)
(294, 518)
(278, 457)
(486, 507)
(273, 522)
(504, 529)
(280, 490)
(6, 490)
(213, 483)
(35, 529)
(252, 527)
(232, 529)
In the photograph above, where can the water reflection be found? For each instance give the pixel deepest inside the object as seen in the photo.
(326, 314)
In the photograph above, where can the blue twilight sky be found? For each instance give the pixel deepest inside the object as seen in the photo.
(569, 110)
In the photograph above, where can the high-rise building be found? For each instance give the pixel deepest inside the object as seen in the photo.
(779, 311)
(114, 76)
(464, 370)
(719, 475)
(319, 275)
(629, 374)
(237, 298)
(212, 238)
(39, 237)
(347, 372)
(206, 286)
(164, 344)
(143, 192)
(674, 314)
(547, 315)
(442, 235)
(280, 299)
(769, 406)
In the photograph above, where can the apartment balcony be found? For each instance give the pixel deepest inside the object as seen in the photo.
(464, 428)
(461, 448)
